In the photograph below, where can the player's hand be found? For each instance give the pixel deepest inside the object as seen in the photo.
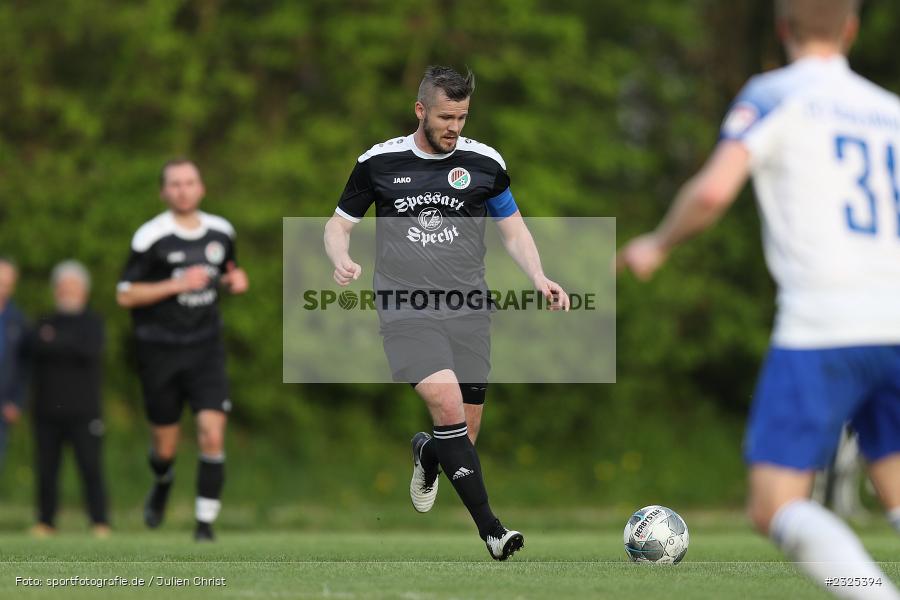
(193, 279)
(553, 292)
(11, 413)
(346, 271)
(235, 279)
(642, 256)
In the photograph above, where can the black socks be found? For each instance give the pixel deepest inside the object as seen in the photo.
(162, 469)
(458, 458)
(210, 479)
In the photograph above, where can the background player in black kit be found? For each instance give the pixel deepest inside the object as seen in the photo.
(432, 192)
(178, 262)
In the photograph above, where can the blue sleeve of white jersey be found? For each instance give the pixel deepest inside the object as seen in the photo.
(755, 102)
(502, 205)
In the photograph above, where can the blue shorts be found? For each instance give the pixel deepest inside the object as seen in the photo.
(804, 398)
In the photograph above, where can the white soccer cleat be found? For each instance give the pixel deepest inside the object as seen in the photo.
(503, 543)
(422, 492)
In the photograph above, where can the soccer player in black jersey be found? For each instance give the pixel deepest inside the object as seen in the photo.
(433, 191)
(179, 261)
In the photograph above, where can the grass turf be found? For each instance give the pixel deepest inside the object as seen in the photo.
(406, 564)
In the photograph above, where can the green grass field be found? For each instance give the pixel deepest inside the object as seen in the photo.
(407, 564)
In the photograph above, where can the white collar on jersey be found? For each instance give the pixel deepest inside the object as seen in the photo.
(184, 233)
(835, 61)
(411, 140)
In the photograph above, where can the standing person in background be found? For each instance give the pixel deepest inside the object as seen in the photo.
(12, 336)
(66, 350)
(179, 261)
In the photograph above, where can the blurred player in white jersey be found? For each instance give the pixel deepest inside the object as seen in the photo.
(823, 147)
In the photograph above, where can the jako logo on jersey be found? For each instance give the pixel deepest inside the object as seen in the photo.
(402, 179)
(459, 178)
(175, 257)
(430, 219)
(215, 252)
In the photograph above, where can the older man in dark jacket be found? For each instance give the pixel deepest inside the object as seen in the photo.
(67, 358)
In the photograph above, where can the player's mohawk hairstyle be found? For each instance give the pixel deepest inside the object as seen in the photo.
(454, 85)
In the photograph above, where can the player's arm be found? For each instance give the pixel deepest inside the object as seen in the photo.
(12, 405)
(356, 199)
(235, 279)
(134, 294)
(519, 243)
(698, 205)
(337, 247)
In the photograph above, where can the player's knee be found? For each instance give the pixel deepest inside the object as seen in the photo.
(165, 450)
(446, 401)
(214, 444)
(211, 440)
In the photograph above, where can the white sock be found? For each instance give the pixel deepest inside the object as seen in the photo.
(825, 548)
(893, 516)
(207, 509)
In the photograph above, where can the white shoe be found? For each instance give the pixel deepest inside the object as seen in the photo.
(503, 543)
(422, 492)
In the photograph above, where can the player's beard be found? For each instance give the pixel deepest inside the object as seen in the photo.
(184, 207)
(434, 140)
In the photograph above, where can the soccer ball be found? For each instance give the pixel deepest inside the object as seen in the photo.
(656, 534)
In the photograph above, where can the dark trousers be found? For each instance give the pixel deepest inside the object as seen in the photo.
(85, 436)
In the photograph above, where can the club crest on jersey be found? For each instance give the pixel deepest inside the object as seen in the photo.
(215, 252)
(739, 119)
(459, 178)
(430, 219)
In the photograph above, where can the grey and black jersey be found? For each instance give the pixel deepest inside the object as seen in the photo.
(160, 250)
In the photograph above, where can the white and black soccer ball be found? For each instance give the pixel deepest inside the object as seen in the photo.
(656, 534)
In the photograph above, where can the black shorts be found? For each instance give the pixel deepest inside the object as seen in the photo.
(417, 348)
(172, 374)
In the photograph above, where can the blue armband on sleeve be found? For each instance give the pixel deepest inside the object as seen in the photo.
(502, 205)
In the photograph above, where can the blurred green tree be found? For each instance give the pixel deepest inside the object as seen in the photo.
(600, 109)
